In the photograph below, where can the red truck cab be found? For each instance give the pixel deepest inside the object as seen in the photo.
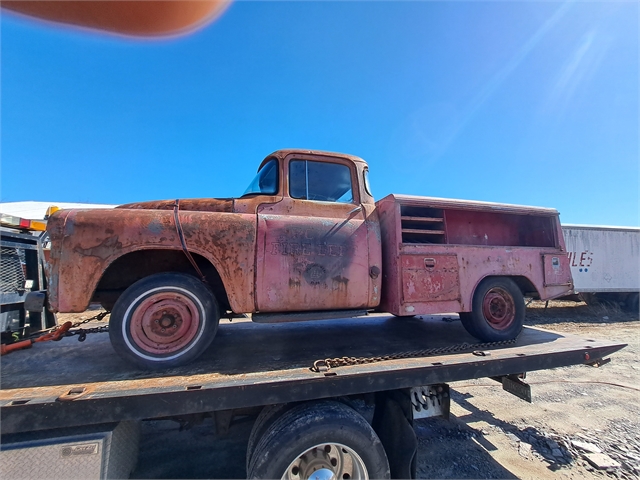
(318, 239)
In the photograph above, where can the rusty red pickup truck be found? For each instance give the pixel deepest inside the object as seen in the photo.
(306, 241)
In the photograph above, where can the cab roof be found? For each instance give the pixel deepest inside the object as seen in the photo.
(280, 154)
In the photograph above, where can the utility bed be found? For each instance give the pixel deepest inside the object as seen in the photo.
(66, 384)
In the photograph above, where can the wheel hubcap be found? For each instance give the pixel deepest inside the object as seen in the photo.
(327, 461)
(164, 323)
(499, 308)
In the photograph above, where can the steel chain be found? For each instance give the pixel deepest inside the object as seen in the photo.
(97, 317)
(324, 365)
(82, 332)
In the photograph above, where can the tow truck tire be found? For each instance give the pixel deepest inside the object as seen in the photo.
(327, 438)
(497, 310)
(265, 419)
(164, 320)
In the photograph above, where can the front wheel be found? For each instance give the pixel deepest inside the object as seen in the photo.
(497, 310)
(325, 439)
(164, 320)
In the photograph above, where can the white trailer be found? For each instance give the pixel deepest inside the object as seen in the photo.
(605, 263)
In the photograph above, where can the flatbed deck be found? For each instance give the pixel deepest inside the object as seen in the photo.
(251, 364)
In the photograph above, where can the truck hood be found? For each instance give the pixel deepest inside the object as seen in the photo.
(194, 204)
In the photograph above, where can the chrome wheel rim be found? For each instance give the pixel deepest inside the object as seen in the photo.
(327, 461)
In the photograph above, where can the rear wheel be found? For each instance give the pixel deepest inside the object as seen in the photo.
(164, 320)
(325, 439)
(497, 312)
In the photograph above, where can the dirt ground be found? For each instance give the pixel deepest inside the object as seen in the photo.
(491, 434)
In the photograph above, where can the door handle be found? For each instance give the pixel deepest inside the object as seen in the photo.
(429, 262)
(357, 209)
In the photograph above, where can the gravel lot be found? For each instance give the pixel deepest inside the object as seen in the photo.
(490, 434)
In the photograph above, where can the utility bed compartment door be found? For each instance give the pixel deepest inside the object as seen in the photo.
(556, 269)
(430, 278)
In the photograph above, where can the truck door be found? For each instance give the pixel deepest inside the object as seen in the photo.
(312, 251)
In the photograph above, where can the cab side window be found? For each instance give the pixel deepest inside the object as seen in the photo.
(324, 182)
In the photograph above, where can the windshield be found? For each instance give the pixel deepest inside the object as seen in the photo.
(320, 181)
(266, 180)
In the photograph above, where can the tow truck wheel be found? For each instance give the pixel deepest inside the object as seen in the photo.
(326, 440)
(265, 419)
(164, 320)
(497, 310)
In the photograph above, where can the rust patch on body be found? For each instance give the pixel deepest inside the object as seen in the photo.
(103, 250)
(191, 204)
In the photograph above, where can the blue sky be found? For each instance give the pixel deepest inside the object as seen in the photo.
(520, 102)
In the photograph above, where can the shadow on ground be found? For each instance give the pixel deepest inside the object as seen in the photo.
(451, 449)
(541, 444)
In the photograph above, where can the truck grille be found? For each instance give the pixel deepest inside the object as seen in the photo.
(12, 275)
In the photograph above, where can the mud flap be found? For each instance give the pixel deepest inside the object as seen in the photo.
(393, 422)
(515, 386)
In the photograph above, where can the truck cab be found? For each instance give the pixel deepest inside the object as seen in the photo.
(318, 238)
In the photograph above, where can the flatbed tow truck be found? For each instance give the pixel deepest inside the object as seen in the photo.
(305, 382)
(334, 397)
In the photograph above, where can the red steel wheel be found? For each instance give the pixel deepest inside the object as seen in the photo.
(164, 320)
(497, 310)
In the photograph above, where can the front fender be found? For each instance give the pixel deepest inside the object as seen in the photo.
(90, 240)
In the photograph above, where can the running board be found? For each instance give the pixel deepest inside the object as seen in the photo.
(304, 316)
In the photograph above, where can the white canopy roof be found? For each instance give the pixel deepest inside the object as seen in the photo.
(37, 210)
